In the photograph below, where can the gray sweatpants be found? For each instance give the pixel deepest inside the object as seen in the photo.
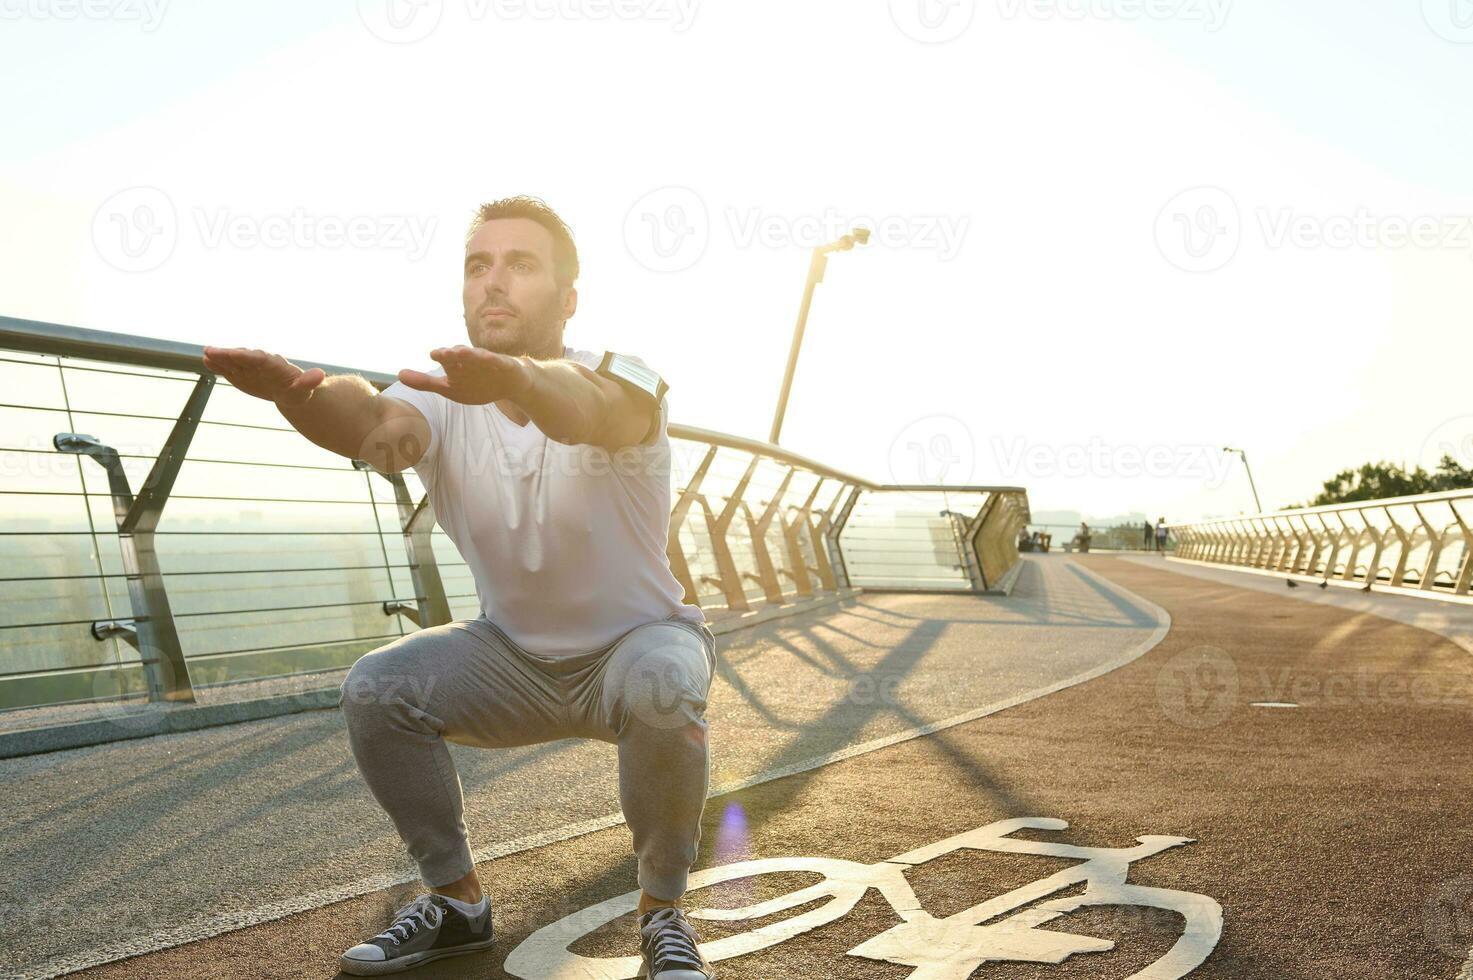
(467, 682)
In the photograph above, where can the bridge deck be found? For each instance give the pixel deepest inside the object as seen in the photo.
(1331, 834)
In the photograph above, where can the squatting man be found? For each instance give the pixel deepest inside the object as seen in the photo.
(583, 630)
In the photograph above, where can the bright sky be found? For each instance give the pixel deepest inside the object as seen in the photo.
(1111, 236)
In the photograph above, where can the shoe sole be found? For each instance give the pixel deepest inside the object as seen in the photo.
(378, 968)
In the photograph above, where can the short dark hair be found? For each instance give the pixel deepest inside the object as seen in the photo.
(564, 252)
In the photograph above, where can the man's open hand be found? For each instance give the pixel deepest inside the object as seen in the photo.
(473, 375)
(265, 375)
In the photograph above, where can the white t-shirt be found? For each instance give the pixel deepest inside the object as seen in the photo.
(566, 543)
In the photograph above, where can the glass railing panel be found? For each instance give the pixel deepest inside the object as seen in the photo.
(244, 445)
(1417, 557)
(44, 515)
(228, 407)
(108, 391)
(245, 482)
(903, 540)
(36, 385)
(1450, 562)
(56, 648)
(231, 550)
(190, 515)
(31, 429)
(29, 602)
(214, 633)
(1376, 516)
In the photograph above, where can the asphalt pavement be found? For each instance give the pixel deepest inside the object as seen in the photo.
(144, 845)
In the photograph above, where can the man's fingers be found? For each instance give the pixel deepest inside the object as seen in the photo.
(307, 380)
(425, 382)
(235, 358)
(453, 355)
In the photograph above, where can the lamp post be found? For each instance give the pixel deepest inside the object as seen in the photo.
(1249, 470)
(858, 236)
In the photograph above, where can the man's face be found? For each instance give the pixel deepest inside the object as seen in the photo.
(512, 302)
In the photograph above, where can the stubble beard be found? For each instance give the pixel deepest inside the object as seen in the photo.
(537, 334)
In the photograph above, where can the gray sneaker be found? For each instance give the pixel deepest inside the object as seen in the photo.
(426, 929)
(667, 943)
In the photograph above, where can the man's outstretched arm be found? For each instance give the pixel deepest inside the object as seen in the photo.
(569, 402)
(343, 414)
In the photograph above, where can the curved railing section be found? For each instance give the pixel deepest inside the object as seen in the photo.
(1421, 544)
(162, 531)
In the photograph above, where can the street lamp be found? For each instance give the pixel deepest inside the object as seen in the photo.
(1247, 469)
(858, 236)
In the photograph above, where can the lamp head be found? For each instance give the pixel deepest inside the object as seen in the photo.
(75, 442)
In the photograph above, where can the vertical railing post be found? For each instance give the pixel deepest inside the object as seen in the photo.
(1310, 551)
(153, 631)
(818, 536)
(1464, 579)
(432, 607)
(1285, 552)
(794, 539)
(679, 564)
(1336, 540)
(1243, 548)
(719, 526)
(1434, 551)
(976, 571)
(836, 548)
(1303, 543)
(766, 570)
(1380, 546)
(1355, 539)
(1227, 543)
(1398, 573)
(1268, 548)
(1323, 538)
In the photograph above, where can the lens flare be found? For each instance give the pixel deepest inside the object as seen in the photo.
(733, 844)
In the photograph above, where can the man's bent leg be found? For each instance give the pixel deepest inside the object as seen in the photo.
(651, 701)
(403, 701)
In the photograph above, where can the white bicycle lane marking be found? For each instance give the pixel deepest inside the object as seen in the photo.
(952, 948)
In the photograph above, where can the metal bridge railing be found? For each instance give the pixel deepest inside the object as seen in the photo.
(161, 531)
(1421, 544)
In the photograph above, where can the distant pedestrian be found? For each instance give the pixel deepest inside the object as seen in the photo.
(1161, 532)
(1150, 535)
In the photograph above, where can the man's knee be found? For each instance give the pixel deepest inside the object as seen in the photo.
(661, 683)
(378, 682)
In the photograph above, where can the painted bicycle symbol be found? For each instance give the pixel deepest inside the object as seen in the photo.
(999, 930)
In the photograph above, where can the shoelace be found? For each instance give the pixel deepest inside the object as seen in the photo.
(673, 941)
(420, 913)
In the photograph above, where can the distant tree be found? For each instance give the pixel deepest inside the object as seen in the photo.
(1376, 481)
(1451, 476)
